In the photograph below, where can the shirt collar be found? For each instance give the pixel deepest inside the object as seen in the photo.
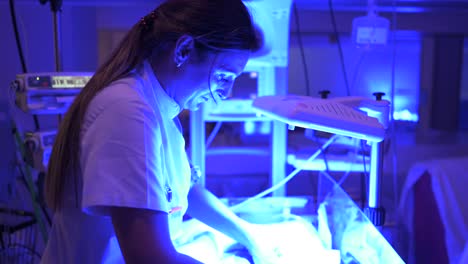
(166, 104)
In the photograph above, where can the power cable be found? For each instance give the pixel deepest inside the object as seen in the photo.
(340, 48)
(301, 48)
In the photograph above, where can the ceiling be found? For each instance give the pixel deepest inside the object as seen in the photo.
(339, 5)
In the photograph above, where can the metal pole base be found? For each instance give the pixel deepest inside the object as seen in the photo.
(375, 215)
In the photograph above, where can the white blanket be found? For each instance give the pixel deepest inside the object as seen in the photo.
(449, 179)
(297, 241)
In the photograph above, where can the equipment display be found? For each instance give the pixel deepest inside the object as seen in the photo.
(48, 93)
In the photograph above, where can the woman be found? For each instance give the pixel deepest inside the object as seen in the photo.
(118, 179)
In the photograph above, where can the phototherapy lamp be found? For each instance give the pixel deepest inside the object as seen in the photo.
(355, 117)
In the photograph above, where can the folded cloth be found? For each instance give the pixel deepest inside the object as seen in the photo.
(449, 179)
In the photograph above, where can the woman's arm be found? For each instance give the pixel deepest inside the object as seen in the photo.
(207, 208)
(144, 237)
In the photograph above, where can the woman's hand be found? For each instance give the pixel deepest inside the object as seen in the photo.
(266, 254)
(262, 249)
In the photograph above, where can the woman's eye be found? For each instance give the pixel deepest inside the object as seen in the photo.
(222, 79)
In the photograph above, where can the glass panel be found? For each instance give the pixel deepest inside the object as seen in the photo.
(357, 239)
(329, 227)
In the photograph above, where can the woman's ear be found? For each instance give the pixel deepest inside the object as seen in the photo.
(184, 48)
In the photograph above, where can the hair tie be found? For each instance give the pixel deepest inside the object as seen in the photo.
(148, 20)
(143, 22)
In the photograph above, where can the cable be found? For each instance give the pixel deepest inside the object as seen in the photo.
(354, 80)
(35, 118)
(30, 184)
(17, 38)
(364, 158)
(24, 37)
(340, 48)
(36, 123)
(325, 160)
(29, 249)
(213, 134)
(38, 197)
(366, 175)
(392, 109)
(324, 156)
(301, 48)
(285, 180)
(346, 174)
(20, 50)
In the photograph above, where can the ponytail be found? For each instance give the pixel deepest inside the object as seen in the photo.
(217, 24)
(64, 160)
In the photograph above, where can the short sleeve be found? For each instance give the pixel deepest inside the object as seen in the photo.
(121, 158)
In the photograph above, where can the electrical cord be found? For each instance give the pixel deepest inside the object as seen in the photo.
(16, 245)
(366, 174)
(325, 160)
(30, 184)
(301, 48)
(364, 158)
(346, 174)
(26, 175)
(17, 38)
(213, 134)
(39, 199)
(354, 81)
(392, 108)
(286, 179)
(340, 48)
(20, 50)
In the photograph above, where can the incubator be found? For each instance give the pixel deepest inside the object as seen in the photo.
(329, 228)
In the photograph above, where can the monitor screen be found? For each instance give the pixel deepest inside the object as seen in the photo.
(245, 86)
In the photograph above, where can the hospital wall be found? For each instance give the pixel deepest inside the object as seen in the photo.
(84, 25)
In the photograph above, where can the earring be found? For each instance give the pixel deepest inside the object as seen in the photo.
(179, 64)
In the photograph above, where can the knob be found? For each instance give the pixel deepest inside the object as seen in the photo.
(324, 94)
(378, 96)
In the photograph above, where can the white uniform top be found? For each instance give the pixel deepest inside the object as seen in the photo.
(132, 155)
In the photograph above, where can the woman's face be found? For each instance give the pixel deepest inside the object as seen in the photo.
(209, 80)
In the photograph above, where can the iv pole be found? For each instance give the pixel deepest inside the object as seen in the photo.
(56, 7)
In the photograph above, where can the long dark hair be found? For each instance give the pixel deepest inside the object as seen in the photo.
(216, 25)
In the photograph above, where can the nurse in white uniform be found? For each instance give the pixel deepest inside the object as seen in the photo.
(119, 180)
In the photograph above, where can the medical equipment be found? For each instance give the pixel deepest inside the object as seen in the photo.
(339, 116)
(45, 94)
(329, 228)
(56, 7)
(271, 19)
(371, 30)
(319, 114)
(48, 93)
(39, 142)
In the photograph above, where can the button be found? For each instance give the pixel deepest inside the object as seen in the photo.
(169, 194)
